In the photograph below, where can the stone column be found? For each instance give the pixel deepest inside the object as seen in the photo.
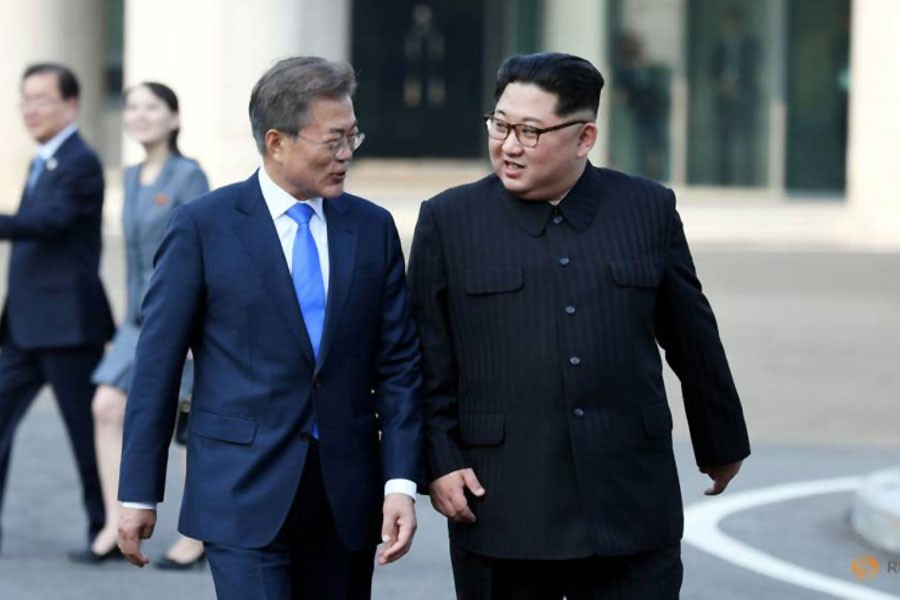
(873, 194)
(211, 52)
(873, 167)
(62, 31)
(579, 27)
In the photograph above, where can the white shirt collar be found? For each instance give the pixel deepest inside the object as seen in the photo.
(49, 148)
(279, 201)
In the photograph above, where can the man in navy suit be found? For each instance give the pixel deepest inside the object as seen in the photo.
(305, 431)
(56, 317)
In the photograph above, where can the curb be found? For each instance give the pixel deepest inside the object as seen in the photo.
(875, 514)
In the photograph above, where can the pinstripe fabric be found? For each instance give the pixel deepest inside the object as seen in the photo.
(539, 330)
(652, 575)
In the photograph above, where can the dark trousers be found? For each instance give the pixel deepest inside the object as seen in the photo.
(654, 575)
(68, 371)
(306, 559)
(737, 142)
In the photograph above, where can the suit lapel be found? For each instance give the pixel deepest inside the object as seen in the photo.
(62, 154)
(254, 226)
(342, 258)
(26, 194)
(132, 192)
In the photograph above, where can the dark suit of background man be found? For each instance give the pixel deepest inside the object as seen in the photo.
(541, 293)
(56, 317)
(292, 296)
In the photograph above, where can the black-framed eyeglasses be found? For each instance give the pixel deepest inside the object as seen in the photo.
(352, 142)
(41, 103)
(527, 135)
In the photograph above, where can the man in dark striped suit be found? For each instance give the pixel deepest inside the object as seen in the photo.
(541, 293)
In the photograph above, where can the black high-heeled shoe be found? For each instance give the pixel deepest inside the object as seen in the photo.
(170, 564)
(89, 557)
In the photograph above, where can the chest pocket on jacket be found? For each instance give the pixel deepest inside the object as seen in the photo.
(642, 273)
(493, 280)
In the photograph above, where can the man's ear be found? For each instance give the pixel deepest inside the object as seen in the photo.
(275, 142)
(72, 106)
(587, 138)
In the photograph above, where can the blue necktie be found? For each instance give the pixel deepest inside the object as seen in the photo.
(37, 167)
(308, 283)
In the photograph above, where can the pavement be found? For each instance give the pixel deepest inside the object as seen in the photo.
(811, 334)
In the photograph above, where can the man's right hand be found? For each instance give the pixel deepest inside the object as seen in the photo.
(135, 524)
(449, 498)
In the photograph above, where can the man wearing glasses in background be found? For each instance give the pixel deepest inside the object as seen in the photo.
(541, 293)
(305, 430)
(56, 317)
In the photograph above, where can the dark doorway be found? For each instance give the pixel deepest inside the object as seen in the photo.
(420, 72)
(818, 86)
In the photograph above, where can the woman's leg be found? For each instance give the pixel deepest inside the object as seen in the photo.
(185, 549)
(108, 407)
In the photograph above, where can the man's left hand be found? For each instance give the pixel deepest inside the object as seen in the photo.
(398, 527)
(721, 476)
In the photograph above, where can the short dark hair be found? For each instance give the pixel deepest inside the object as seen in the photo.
(281, 98)
(170, 99)
(574, 80)
(65, 78)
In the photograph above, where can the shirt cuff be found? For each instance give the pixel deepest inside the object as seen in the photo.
(400, 486)
(141, 505)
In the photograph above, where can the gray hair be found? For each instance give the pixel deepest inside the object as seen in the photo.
(281, 98)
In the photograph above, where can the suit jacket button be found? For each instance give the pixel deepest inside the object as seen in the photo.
(570, 310)
(578, 412)
(317, 383)
(574, 361)
(564, 261)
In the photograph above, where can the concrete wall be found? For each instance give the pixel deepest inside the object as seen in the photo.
(63, 31)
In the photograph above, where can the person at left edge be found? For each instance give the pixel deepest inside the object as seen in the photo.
(291, 295)
(56, 317)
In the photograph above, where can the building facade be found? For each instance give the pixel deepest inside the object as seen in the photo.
(761, 100)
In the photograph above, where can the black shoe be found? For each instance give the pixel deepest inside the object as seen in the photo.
(170, 564)
(89, 557)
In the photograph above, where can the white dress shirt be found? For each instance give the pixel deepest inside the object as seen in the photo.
(278, 202)
(49, 148)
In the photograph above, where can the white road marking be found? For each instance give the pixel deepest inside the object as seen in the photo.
(702, 531)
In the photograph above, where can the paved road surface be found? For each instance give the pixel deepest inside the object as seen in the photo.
(812, 337)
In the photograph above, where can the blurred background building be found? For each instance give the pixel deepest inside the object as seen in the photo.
(776, 121)
(759, 102)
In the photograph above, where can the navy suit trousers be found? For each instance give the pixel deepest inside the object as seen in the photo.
(306, 560)
(68, 371)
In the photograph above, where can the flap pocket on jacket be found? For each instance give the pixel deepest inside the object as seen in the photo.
(481, 430)
(635, 273)
(222, 427)
(657, 420)
(493, 280)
